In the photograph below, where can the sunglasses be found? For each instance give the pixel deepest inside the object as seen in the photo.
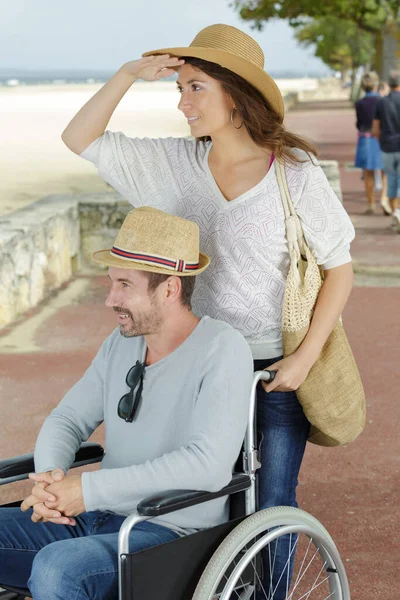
(129, 404)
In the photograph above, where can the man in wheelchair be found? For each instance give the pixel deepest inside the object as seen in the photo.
(173, 392)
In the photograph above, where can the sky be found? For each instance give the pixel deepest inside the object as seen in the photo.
(103, 34)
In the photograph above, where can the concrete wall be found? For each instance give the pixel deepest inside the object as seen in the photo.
(39, 251)
(45, 243)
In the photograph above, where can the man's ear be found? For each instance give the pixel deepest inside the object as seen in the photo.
(173, 289)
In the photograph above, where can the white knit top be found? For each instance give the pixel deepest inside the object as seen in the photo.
(245, 237)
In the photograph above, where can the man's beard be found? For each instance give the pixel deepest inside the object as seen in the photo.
(144, 324)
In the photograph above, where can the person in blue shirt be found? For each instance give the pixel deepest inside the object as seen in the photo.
(386, 128)
(368, 153)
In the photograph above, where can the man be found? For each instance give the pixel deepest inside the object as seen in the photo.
(173, 393)
(386, 127)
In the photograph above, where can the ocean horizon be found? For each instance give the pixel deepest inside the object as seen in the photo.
(10, 77)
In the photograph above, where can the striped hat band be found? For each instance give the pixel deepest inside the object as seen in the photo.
(175, 265)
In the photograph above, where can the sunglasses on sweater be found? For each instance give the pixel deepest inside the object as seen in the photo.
(128, 406)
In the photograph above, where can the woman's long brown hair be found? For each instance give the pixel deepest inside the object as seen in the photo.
(262, 122)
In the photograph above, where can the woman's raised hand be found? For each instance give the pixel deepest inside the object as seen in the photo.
(152, 68)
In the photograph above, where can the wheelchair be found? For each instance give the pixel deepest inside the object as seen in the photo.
(225, 562)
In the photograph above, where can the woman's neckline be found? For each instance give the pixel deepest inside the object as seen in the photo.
(252, 190)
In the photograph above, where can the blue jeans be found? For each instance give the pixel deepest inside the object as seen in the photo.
(283, 430)
(59, 562)
(391, 166)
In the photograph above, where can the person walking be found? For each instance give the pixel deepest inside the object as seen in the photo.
(383, 88)
(386, 128)
(224, 179)
(368, 152)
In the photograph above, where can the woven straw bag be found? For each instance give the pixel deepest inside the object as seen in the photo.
(332, 396)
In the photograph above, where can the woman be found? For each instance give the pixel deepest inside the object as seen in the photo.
(368, 153)
(226, 183)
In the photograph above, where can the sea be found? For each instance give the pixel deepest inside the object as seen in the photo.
(21, 77)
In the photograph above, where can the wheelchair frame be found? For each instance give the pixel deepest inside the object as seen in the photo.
(160, 504)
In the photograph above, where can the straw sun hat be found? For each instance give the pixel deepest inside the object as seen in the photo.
(235, 50)
(152, 240)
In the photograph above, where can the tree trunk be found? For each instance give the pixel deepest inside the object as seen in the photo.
(388, 51)
(355, 86)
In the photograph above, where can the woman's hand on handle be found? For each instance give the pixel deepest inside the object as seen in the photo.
(152, 68)
(291, 372)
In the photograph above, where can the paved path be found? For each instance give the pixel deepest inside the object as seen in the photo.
(355, 490)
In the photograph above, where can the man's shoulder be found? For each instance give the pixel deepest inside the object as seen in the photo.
(382, 103)
(222, 333)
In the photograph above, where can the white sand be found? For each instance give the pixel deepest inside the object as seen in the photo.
(34, 161)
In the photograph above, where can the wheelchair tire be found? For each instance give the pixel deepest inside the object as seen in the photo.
(322, 577)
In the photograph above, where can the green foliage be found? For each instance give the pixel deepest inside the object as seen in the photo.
(368, 15)
(340, 44)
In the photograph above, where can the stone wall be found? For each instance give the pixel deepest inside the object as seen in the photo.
(45, 243)
(39, 251)
(101, 216)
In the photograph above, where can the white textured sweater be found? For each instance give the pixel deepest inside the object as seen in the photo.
(245, 238)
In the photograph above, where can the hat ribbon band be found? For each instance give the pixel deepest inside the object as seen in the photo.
(178, 265)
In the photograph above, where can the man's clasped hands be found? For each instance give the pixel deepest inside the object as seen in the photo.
(55, 498)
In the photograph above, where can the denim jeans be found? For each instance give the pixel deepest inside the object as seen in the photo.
(59, 562)
(283, 430)
(391, 165)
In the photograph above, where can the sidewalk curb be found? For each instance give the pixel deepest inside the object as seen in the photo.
(376, 271)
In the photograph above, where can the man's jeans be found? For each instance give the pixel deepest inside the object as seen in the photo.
(60, 562)
(284, 429)
(391, 166)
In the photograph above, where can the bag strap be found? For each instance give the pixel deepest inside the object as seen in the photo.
(294, 230)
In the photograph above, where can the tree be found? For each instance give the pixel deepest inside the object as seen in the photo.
(378, 17)
(340, 44)
(368, 15)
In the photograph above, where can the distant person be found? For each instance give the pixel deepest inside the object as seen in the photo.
(386, 128)
(383, 88)
(173, 392)
(225, 180)
(368, 153)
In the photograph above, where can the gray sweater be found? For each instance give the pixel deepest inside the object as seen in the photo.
(187, 434)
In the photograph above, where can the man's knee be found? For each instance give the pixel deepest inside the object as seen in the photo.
(76, 568)
(52, 577)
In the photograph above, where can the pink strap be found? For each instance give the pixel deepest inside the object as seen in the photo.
(271, 161)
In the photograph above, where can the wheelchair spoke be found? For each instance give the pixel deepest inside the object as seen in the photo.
(286, 567)
(252, 565)
(303, 574)
(259, 580)
(302, 563)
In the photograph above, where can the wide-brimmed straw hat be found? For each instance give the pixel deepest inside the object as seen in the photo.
(151, 240)
(235, 50)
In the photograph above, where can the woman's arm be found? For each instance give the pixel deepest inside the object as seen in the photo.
(376, 128)
(332, 299)
(92, 119)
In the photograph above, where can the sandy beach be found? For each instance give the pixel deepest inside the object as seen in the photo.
(34, 162)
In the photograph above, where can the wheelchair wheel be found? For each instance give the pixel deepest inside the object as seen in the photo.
(235, 569)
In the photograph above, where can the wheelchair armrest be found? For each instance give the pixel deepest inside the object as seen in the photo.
(163, 503)
(19, 467)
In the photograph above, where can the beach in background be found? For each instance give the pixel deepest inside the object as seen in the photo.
(34, 162)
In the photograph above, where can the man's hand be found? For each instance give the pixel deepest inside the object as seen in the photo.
(39, 496)
(68, 496)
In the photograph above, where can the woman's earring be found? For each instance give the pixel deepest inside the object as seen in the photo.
(234, 108)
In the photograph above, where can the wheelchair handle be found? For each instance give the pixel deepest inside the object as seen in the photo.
(268, 375)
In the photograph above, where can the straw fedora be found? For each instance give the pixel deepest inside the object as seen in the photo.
(235, 50)
(152, 240)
